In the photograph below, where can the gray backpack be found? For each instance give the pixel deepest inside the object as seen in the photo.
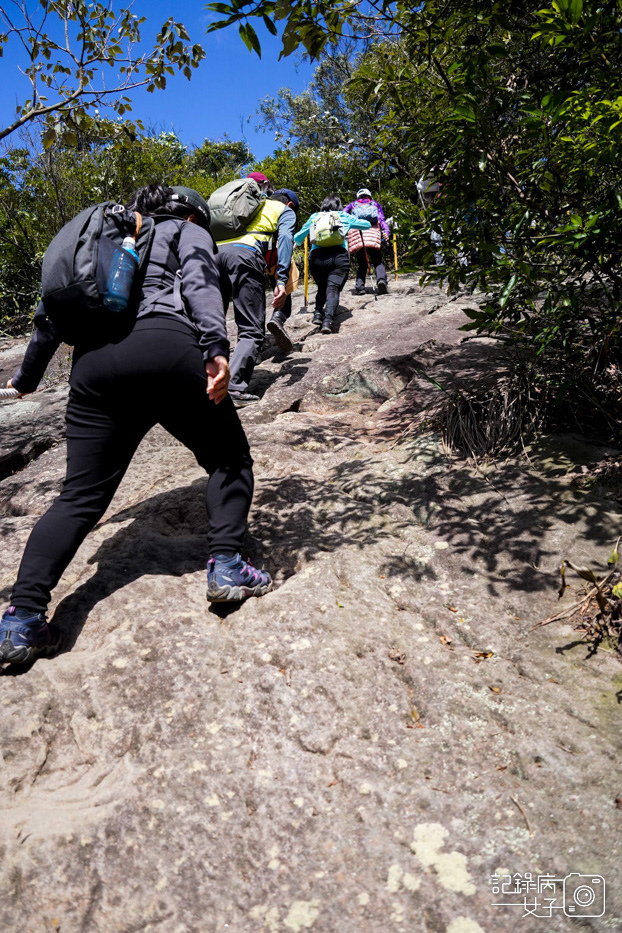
(75, 270)
(232, 207)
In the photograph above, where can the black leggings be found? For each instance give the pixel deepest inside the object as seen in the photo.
(375, 259)
(329, 267)
(119, 391)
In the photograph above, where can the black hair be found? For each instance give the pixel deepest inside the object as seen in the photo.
(267, 188)
(282, 197)
(331, 202)
(160, 199)
(151, 199)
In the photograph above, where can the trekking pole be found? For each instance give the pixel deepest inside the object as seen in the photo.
(306, 273)
(371, 274)
(8, 393)
(395, 254)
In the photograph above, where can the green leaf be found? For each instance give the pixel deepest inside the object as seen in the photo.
(464, 112)
(270, 25)
(507, 291)
(253, 39)
(617, 591)
(243, 36)
(48, 138)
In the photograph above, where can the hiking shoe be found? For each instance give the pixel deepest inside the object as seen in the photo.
(382, 288)
(327, 327)
(231, 579)
(24, 635)
(360, 290)
(281, 337)
(318, 317)
(240, 399)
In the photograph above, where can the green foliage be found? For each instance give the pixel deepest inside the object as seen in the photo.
(314, 173)
(42, 191)
(516, 110)
(71, 47)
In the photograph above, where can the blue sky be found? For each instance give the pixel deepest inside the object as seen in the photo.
(224, 91)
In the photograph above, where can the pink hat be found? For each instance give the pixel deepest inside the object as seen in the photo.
(259, 177)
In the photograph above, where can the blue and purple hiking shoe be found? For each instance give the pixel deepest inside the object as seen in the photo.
(231, 579)
(24, 636)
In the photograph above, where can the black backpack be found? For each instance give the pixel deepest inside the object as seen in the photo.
(75, 271)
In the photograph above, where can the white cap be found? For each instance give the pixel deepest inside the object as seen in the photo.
(363, 193)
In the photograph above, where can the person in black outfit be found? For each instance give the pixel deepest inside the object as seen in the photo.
(171, 369)
(329, 265)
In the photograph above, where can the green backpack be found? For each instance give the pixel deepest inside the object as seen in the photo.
(327, 229)
(232, 207)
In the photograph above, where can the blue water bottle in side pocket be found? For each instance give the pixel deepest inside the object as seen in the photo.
(121, 276)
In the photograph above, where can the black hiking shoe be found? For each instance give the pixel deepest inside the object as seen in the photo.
(241, 399)
(382, 288)
(360, 290)
(281, 337)
(318, 317)
(327, 327)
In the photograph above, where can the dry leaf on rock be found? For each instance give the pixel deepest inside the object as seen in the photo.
(398, 656)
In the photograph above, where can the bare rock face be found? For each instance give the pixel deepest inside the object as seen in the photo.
(359, 751)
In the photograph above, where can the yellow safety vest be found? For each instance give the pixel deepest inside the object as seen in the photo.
(262, 226)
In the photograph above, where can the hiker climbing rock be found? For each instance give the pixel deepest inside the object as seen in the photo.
(169, 367)
(368, 246)
(243, 266)
(329, 261)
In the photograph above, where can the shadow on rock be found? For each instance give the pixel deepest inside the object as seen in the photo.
(166, 537)
(291, 372)
(301, 517)
(497, 527)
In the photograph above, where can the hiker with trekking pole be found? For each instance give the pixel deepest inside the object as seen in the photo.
(136, 291)
(327, 231)
(368, 246)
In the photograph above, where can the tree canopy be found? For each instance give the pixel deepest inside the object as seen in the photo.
(514, 111)
(78, 56)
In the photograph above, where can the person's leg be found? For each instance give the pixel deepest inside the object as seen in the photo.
(336, 279)
(245, 269)
(101, 441)
(286, 310)
(320, 276)
(216, 437)
(276, 326)
(375, 258)
(361, 270)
